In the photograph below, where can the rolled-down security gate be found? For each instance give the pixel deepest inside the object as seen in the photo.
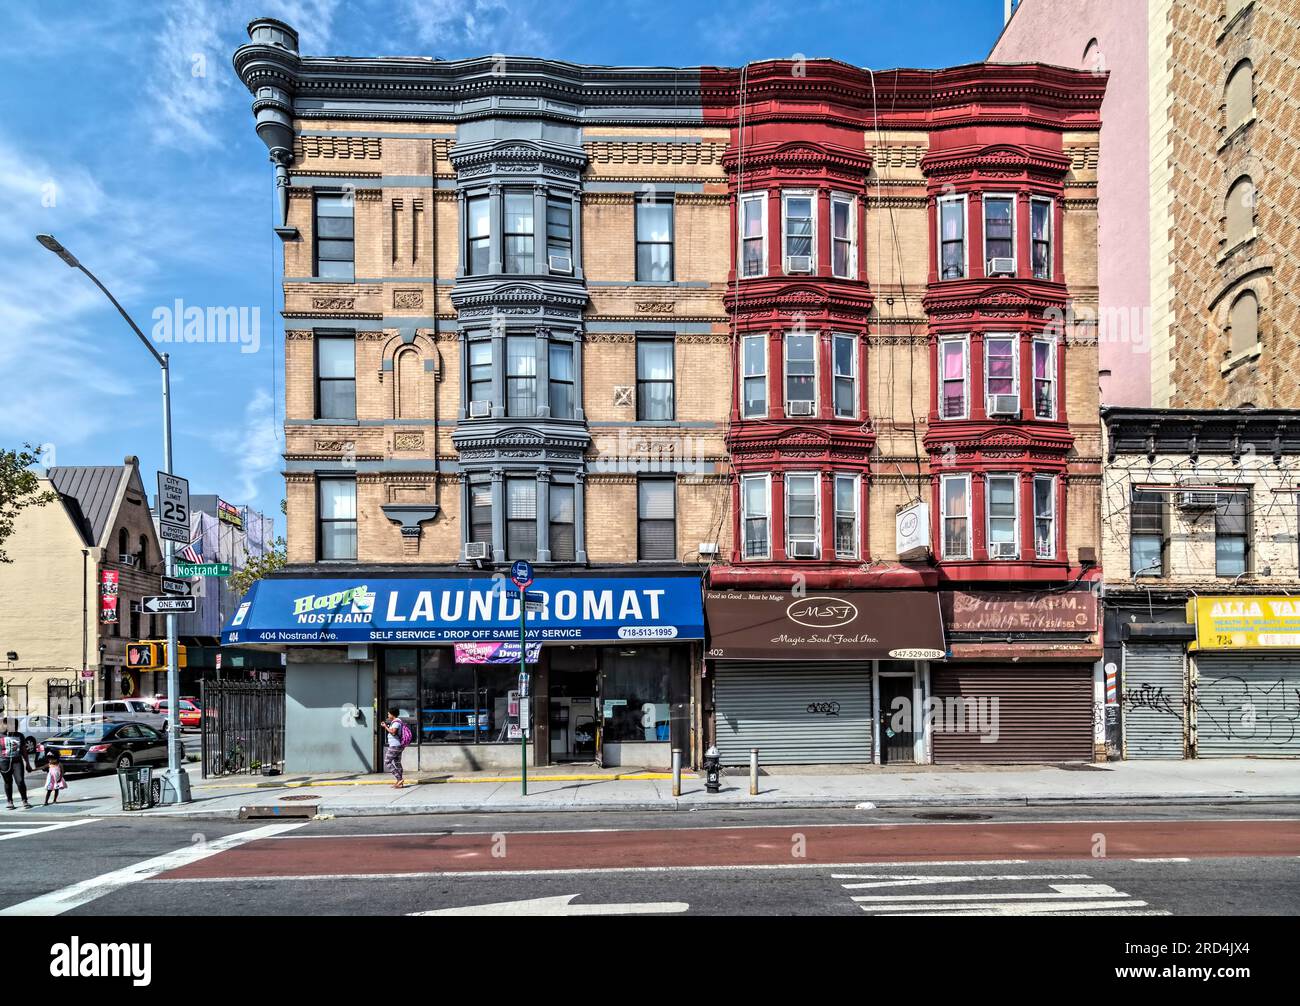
(1154, 700)
(794, 713)
(1247, 705)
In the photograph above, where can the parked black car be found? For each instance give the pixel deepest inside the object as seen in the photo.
(97, 746)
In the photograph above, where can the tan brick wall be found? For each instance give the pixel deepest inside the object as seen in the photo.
(703, 505)
(609, 236)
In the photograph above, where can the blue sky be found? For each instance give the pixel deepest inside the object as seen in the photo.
(124, 132)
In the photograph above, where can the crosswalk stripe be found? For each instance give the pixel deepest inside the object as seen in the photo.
(1003, 908)
(914, 879)
(48, 827)
(1061, 891)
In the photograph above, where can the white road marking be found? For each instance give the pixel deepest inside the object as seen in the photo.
(68, 898)
(1014, 908)
(915, 879)
(559, 905)
(37, 829)
(1170, 859)
(1063, 891)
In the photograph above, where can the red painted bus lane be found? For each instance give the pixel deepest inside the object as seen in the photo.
(383, 855)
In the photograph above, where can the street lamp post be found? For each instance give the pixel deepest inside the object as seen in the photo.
(177, 789)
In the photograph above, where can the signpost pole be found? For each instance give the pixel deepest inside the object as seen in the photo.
(178, 780)
(523, 699)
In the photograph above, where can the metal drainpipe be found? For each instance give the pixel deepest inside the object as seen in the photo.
(85, 600)
(437, 352)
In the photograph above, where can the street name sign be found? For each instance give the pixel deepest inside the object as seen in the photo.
(202, 569)
(174, 508)
(158, 605)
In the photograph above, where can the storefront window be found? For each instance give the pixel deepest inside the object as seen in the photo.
(449, 703)
(401, 686)
(636, 689)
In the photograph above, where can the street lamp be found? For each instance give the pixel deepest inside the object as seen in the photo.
(177, 789)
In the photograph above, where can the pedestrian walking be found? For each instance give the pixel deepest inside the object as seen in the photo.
(14, 767)
(53, 778)
(399, 736)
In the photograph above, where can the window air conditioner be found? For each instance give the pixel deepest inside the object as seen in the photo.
(480, 409)
(798, 263)
(1002, 549)
(126, 559)
(1198, 500)
(476, 550)
(800, 407)
(803, 549)
(1002, 267)
(1004, 405)
(560, 263)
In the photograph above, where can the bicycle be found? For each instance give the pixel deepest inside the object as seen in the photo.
(231, 762)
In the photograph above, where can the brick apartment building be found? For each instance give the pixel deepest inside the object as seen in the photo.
(673, 332)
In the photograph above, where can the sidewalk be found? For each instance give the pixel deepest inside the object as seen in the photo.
(588, 789)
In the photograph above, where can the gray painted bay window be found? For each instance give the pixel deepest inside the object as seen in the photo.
(336, 508)
(563, 514)
(561, 380)
(480, 371)
(657, 519)
(336, 373)
(654, 240)
(559, 235)
(521, 519)
(521, 376)
(334, 237)
(517, 228)
(655, 398)
(479, 230)
(480, 514)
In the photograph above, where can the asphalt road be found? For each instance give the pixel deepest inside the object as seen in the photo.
(1204, 860)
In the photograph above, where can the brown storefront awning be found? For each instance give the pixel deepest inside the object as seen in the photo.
(825, 625)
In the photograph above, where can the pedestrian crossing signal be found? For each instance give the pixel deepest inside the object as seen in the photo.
(151, 655)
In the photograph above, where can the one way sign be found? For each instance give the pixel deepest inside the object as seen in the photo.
(159, 605)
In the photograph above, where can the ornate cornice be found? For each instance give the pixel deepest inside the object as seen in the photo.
(997, 160)
(650, 152)
(798, 158)
(514, 155)
(801, 298)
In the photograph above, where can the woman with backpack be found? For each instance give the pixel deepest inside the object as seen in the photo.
(399, 736)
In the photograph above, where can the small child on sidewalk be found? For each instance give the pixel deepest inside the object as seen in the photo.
(53, 778)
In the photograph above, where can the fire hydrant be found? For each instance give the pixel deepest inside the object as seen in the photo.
(712, 770)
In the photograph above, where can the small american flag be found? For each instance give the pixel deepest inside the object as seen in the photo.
(190, 554)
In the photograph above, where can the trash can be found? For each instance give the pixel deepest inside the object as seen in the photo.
(137, 788)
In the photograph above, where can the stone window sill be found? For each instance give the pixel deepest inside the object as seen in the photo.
(1238, 130)
(1227, 253)
(1245, 356)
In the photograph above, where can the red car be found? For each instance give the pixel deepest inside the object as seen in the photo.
(189, 714)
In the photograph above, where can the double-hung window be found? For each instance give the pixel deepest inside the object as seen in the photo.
(753, 234)
(1002, 504)
(656, 519)
(953, 378)
(952, 237)
(480, 514)
(1000, 376)
(335, 247)
(521, 375)
(654, 379)
(480, 371)
(1044, 378)
(559, 235)
(1045, 516)
(1148, 542)
(336, 377)
(844, 236)
(755, 497)
(518, 230)
(336, 532)
(999, 236)
(1040, 237)
(846, 516)
(754, 351)
(846, 376)
(800, 231)
(561, 377)
(1231, 534)
(954, 515)
(563, 511)
(654, 240)
(478, 228)
(802, 540)
(521, 518)
(800, 374)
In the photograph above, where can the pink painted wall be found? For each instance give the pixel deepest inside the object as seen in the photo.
(1058, 32)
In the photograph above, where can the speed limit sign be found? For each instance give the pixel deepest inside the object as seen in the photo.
(174, 508)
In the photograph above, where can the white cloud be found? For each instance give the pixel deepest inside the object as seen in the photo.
(190, 80)
(451, 28)
(255, 447)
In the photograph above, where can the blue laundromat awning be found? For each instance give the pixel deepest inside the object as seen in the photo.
(411, 610)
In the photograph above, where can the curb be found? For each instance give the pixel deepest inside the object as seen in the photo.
(1120, 799)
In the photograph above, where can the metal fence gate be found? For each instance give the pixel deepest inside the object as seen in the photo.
(13, 700)
(66, 697)
(243, 727)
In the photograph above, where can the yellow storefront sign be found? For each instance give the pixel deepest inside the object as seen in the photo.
(1257, 623)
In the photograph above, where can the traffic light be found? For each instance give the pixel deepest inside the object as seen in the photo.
(151, 655)
(145, 656)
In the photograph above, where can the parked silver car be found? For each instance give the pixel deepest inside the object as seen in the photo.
(129, 711)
